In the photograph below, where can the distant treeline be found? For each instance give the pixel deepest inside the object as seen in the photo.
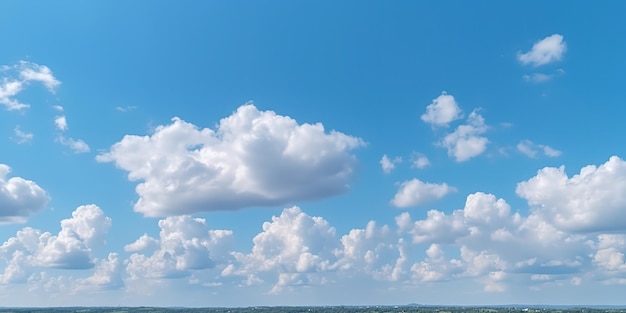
(320, 309)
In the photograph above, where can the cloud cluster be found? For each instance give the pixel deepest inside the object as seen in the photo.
(573, 234)
(19, 198)
(253, 158)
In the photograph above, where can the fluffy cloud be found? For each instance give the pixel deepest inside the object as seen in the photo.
(19, 198)
(71, 248)
(20, 76)
(531, 149)
(593, 200)
(466, 141)
(387, 164)
(545, 51)
(293, 246)
(185, 245)
(253, 158)
(442, 111)
(415, 192)
(374, 251)
(61, 123)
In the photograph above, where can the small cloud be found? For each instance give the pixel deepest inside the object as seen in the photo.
(530, 149)
(61, 123)
(549, 151)
(77, 145)
(442, 111)
(548, 50)
(420, 161)
(415, 192)
(22, 137)
(467, 141)
(58, 108)
(388, 165)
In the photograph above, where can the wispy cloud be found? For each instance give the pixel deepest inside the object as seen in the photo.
(126, 108)
(77, 145)
(18, 76)
(22, 136)
(531, 149)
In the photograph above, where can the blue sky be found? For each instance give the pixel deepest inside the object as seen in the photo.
(298, 153)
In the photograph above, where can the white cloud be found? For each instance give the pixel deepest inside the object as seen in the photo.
(61, 123)
(442, 111)
(71, 248)
(58, 108)
(545, 51)
(22, 136)
(593, 200)
(466, 141)
(415, 192)
(253, 158)
(388, 165)
(9, 89)
(77, 145)
(420, 161)
(19, 198)
(185, 245)
(20, 76)
(531, 149)
(34, 72)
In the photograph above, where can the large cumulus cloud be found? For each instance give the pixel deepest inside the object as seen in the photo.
(253, 158)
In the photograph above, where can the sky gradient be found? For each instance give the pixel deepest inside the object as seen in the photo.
(242, 153)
